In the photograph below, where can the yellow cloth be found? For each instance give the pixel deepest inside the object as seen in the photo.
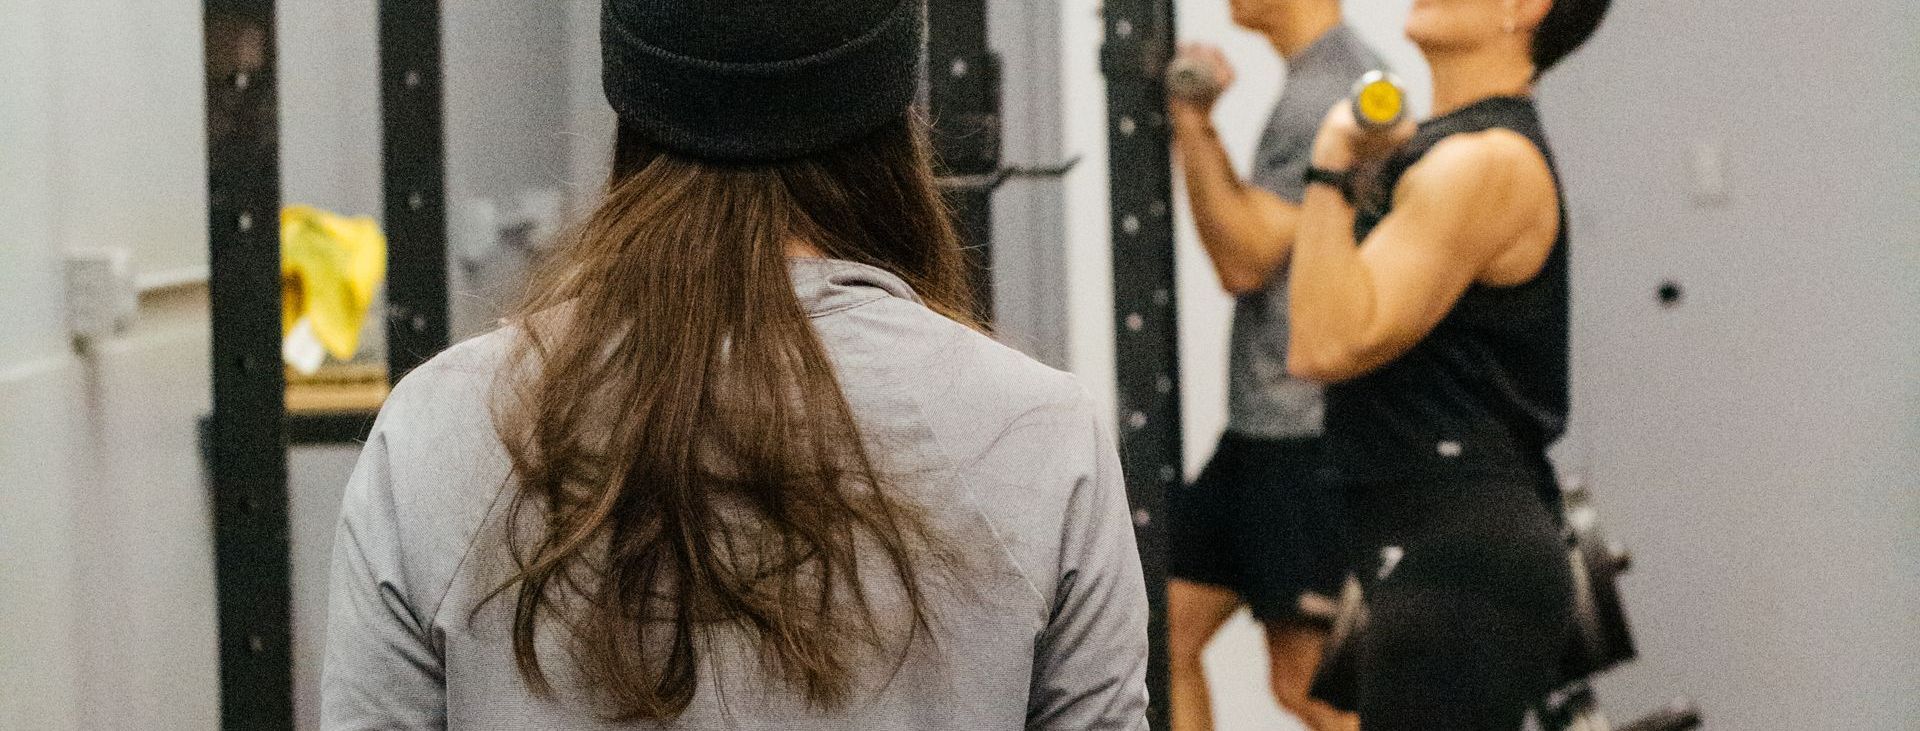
(330, 268)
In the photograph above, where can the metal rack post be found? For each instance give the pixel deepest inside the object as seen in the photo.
(963, 77)
(1139, 40)
(245, 435)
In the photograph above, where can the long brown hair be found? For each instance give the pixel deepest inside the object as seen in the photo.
(680, 441)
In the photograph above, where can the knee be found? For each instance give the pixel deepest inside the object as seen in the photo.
(1186, 654)
(1185, 646)
(1186, 651)
(1291, 684)
(1291, 666)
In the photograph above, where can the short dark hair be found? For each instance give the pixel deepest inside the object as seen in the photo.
(1569, 23)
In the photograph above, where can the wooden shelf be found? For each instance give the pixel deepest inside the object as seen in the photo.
(336, 405)
(310, 398)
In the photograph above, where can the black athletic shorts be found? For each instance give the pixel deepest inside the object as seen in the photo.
(1468, 591)
(1264, 521)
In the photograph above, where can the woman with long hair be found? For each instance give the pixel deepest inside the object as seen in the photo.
(742, 461)
(1430, 291)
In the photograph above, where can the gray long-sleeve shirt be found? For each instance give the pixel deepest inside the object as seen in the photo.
(1012, 458)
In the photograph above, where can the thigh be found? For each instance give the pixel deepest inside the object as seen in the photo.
(1443, 657)
(1468, 617)
(1195, 611)
(1201, 523)
(1289, 537)
(1294, 649)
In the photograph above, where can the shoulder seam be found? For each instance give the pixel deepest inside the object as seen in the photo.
(973, 498)
(973, 504)
(467, 553)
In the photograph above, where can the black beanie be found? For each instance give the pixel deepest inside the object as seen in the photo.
(759, 80)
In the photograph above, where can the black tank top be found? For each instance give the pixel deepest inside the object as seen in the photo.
(1486, 391)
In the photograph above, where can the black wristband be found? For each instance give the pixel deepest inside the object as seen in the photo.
(1338, 180)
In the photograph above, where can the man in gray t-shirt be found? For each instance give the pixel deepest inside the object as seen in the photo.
(1261, 525)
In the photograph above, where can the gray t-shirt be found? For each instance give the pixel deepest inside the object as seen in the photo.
(1013, 462)
(1262, 400)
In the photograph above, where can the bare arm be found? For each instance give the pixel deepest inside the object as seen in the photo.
(1246, 231)
(1474, 204)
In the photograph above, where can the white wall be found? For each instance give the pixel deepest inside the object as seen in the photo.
(106, 577)
(1089, 242)
(107, 592)
(129, 142)
(330, 105)
(142, 525)
(510, 130)
(1756, 445)
(39, 657)
(507, 107)
(27, 197)
(37, 638)
(104, 521)
(1030, 266)
(590, 122)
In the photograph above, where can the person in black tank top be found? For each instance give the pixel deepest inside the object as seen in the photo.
(1430, 292)
(1485, 391)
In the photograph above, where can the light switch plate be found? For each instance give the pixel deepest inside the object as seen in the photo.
(1710, 174)
(102, 295)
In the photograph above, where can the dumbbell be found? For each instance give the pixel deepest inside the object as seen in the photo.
(1379, 98)
(1379, 101)
(1191, 79)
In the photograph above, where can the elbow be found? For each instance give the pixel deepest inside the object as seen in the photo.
(1321, 366)
(1241, 281)
(1308, 368)
(1239, 285)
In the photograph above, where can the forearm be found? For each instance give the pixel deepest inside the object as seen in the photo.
(1245, 240)
(1331, 292)
(1354, 307)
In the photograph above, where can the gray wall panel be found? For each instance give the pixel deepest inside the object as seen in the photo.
(1755, 444)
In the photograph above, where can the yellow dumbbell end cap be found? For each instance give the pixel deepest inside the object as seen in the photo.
(1380, 100)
